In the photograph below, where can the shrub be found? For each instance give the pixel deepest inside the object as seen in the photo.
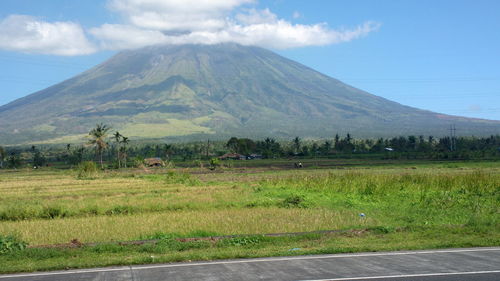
(87, 170)
(14, 161)
(11, 243)
(53, 212)
(214, 163)
(39, 160)
(294, 201)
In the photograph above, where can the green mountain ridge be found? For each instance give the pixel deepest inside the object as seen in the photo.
(199, 91)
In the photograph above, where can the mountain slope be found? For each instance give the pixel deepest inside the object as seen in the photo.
(222, 90)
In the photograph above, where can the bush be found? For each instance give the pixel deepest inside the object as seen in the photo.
(53, 212)
(14, 161)
(11, 243)
(294, 201)
(214, 163)
(86, 170)
(39, 160)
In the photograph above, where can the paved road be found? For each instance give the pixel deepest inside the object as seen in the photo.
(479, 264)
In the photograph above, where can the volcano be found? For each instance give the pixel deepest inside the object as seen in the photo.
(214, 91)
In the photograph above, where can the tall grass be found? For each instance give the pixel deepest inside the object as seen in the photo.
(231, 221)
(55, 207)
(429, 197)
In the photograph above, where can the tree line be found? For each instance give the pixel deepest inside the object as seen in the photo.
(112, 149)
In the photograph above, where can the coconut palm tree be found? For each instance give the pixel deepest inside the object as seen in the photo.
(98, 137)
(118, 138)
(296, 144)
(123, 149)
(3, 154)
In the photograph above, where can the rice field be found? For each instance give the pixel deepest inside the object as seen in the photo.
(55, 206)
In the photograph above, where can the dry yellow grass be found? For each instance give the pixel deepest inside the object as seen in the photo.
(46, 207)
(157, 206)
(234, 221)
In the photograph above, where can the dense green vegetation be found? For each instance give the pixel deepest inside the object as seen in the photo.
(381, 205)
(118, 152)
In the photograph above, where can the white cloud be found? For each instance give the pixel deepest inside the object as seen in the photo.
(210, 22)
(254, 16)
(296, 15)
(278, 35)
(151, 22)
(180, 15)
(31, 35)
(117, 36)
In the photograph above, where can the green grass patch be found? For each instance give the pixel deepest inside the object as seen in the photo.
(169, 249)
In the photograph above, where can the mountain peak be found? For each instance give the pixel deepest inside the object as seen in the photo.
(219, 90)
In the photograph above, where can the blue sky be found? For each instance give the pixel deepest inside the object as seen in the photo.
(438, 55)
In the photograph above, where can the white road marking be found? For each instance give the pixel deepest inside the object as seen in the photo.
(334, 256)
(408, 275)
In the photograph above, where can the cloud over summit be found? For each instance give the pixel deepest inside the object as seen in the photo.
(150, 22)
(181, 15)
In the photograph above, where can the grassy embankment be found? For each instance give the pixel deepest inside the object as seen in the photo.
(429, 205)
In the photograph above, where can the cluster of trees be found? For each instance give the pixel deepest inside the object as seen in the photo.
(99, 140)
(268, 148)
(428, 147)
(115, 149)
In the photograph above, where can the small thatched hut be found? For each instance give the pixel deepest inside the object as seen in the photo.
(154, 162)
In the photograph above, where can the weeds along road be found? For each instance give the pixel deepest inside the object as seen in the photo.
(440, 265)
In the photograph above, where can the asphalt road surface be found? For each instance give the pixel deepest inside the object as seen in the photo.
(436, 265)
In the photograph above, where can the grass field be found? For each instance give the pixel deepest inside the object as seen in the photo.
(387, 205)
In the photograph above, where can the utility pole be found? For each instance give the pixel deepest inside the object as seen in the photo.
(453, 134)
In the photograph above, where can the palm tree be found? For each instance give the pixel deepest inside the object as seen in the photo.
(123, 149)
(98, 139)
(168, 150)
(118, 137)
(296, 144)
(3, 154)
